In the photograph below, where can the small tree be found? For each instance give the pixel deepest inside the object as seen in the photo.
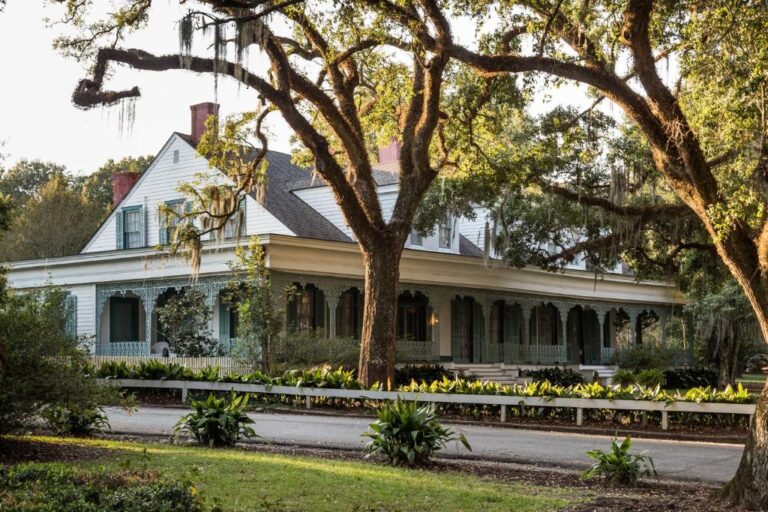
(259, 318)
(185, 320)
(43, 366)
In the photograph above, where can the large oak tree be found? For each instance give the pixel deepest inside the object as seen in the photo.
(706, 128)
(346, 79)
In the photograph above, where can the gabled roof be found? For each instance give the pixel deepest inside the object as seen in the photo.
(294, 213)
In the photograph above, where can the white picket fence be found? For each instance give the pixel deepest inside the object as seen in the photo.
(226, 364)
(503, 401)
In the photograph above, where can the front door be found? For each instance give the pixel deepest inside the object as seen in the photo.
(124, 319)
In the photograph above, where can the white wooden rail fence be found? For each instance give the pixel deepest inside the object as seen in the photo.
(503, 401)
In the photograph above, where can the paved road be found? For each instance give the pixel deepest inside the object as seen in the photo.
(674, 459)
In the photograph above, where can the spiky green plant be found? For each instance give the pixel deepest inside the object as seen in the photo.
(618, 466)
(217, 421)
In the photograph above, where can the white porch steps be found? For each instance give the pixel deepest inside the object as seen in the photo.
(510, 374)
(491, 372)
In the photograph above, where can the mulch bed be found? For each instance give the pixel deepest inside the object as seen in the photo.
(18, 450)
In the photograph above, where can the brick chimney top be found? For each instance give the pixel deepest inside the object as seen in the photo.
(200, 114)
(122, 182)
(390, 153)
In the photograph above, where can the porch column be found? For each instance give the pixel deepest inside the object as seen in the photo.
(600, 313)
(633, 315)
(148, 298)
(527, 309)
(332, 295)
(562, 313)
(102, 296)
(663, 318)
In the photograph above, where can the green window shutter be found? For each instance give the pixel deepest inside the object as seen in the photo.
(455, 330)
(223, 321)
(320, 310)
(510, 327)
(243, 223)
(143, 220)
(119, 232)
(70, 304)
(478, 332)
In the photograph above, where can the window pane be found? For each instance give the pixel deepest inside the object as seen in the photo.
(132, 228)
(416, 238)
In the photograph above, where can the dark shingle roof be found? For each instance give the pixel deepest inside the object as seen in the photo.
(467, 248)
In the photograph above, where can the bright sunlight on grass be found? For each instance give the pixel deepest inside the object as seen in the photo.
(247, 480)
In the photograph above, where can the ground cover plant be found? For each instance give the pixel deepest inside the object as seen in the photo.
(217, 422)
(82, 420)
(618, 466)
(63, 488)
(246, 480)
(408, 433)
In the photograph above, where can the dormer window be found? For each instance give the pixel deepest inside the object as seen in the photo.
(416, 238)
(445, 233)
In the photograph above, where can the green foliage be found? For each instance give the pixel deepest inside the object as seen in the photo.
(115, 370)
(420, 373)
(685, 378)
(408, 433)
(43, 366)
(184, 321)
(624, 377)
(260, 322)
(296, 350)
(618, 466)
(323, 377)
(76, 420)
(645, 357)
(217, 422)
(557, 376)
(37, 487)
(651, 378)
(97, 186)
(26, 178)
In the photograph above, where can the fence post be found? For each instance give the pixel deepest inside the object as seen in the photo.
(664, 420)
(503, 413)
(645, 418)
(579, 416)
(309, 402)
(184, 393)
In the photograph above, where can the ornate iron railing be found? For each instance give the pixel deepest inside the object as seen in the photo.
(123, 348)
(416, 351)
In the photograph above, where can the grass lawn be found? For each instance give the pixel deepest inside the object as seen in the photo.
(249, 480)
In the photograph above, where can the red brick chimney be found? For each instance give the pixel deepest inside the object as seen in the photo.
(122, 182)
(390, 153)
(200, 114)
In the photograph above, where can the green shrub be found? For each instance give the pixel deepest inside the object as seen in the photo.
(36, 487)
(420, 372)
(686, 378)
(644, 357)
(115, 370)
(618, 466)
(407, 433)
(557, 376)
(322, 377)
(651, 378)
(217, 421)
(624, 378)
(306, 351)
(77, 420)
(207, 374)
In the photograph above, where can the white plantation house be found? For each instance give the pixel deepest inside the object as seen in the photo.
(455, 305)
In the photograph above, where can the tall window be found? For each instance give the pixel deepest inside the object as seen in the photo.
(348, 314)
(169, 221)
(235, 226)
(497, 322)
(307, 310)
(445, 233)
(133, 228)
(416, 238)
(412, 317)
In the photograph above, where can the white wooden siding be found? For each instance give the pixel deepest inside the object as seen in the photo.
(86, 305)
(160, 184)
(474, 230)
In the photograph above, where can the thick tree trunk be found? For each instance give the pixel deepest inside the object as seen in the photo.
(749, 487)
(377, 347)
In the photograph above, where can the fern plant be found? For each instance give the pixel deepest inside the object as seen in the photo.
(407, 433)
(217, 421)
(618, 466)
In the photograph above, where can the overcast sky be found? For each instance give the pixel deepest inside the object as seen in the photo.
(39, 121)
